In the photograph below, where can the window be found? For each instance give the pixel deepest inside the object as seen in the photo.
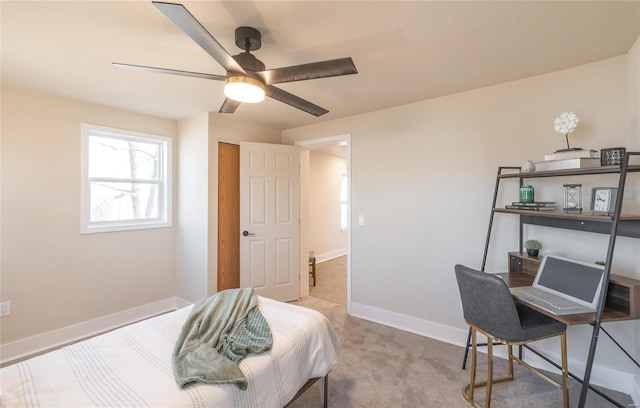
(344, 208)
(126, 181)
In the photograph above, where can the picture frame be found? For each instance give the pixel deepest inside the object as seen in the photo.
(603, 200)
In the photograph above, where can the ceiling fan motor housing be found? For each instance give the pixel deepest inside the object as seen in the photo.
(248, 37)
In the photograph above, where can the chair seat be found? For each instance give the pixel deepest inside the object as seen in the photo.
(535, 325)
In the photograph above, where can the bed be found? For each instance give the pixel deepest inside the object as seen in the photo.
(131, 366)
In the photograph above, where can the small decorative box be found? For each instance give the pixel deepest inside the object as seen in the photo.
(611, 156)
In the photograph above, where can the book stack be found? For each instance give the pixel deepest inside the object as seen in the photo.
(573, 154)
(579, 163)
(570, 159)
(534, 206)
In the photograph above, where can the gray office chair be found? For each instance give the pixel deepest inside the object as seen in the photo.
(489, 309)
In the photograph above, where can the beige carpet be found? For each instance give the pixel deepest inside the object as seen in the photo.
(384, 367)
(331, 277)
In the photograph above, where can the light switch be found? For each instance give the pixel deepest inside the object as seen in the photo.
(361, 219)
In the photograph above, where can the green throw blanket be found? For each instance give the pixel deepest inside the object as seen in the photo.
(220, 331)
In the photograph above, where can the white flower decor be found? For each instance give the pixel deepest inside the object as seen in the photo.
(566, 123)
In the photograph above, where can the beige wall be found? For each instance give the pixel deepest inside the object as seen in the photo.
(193, 219)
(423, 175)
(634, 92)
(325, 172)
(53, 276)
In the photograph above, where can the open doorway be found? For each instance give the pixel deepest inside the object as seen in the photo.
(228, 271)
(326, 229)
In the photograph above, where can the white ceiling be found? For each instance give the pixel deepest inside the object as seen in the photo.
(404, 51)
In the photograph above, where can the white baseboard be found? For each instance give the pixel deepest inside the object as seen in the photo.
(613, 379)
(180, 303)
(437, 331)
(59, 337)
(330, 255)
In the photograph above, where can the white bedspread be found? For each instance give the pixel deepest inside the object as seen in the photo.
(131, 366)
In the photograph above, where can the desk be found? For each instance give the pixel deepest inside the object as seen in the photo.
(622, 303)
(623, 295)
(611, 314)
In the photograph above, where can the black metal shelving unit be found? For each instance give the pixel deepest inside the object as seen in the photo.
(614, 225)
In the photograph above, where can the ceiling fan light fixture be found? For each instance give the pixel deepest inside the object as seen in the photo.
(244, 89)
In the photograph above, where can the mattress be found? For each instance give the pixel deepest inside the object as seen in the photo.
(131, 366)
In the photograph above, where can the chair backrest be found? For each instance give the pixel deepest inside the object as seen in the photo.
(487, 303)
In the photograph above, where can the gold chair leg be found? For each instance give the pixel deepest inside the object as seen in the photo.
(474, 363)
(468, 390)
(487, 398)
(565, 386)
(510, 351)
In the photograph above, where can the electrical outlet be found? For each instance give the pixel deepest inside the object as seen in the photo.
(5, 308)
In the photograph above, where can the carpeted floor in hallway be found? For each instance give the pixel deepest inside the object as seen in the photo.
(331, 282)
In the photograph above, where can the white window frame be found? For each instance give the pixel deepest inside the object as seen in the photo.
(164, 219)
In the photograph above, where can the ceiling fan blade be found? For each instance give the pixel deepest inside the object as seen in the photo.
(229, 106)
(170, 71)
(192, 27)
(292, 100)
(321, 69)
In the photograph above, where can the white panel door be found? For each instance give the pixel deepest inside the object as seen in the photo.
(270, 220)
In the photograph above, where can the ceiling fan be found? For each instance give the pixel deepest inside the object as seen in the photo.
(246, 79)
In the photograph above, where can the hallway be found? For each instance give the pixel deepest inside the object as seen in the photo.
(331, 281)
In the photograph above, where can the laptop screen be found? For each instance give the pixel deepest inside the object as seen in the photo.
(577, 279)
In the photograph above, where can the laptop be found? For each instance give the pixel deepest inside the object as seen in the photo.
(563, 286)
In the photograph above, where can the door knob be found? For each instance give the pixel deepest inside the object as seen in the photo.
(247, 233)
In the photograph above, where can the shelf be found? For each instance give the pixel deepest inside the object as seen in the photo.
(570, 172)
(628, 225)
(569, 215)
